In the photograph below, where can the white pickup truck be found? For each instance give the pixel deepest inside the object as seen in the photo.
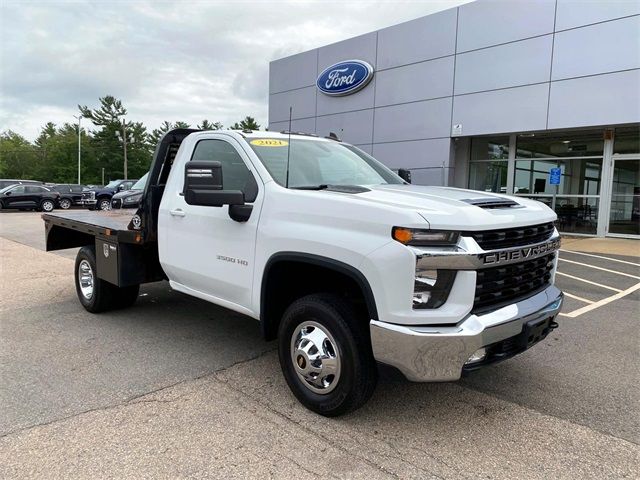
(339, 259)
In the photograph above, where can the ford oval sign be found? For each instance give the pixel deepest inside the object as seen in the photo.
(345, 78)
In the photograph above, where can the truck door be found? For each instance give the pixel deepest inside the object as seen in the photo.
(201, 247)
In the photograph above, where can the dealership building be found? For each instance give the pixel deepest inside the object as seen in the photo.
(493, 96)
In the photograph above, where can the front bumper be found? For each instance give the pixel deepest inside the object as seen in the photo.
(439, 353)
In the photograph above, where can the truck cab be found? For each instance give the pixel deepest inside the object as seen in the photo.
(342, 261)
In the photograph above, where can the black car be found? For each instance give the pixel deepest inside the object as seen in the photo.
(5, 182)
(130, 198)
(100, 198)
(70, 194)
(28, 197)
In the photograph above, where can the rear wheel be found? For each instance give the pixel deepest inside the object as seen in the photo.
(47, 205)
(325, 354)
(104, 204)
(65, 203)
(97, 295)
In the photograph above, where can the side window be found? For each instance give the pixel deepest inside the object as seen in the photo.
(30, 189)
(235, 174)
(17, 190)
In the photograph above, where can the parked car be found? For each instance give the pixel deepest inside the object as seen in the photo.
(70, 194)
(28, 197)
(5, 182)
(130, 198)
(100, 198)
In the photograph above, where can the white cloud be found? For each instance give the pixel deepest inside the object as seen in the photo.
(166, 60)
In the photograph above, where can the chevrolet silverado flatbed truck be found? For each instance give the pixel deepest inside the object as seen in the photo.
(339, 259)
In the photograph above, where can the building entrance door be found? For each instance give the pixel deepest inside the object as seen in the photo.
(624, 216)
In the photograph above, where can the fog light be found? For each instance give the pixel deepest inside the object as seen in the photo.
(477, 356)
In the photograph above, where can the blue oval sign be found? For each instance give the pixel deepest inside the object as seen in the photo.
(345, 78)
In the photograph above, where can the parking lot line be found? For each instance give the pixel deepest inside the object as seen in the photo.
(600, 256)
(600, 303)
(589, 281)
(576, 297)
(599, 268)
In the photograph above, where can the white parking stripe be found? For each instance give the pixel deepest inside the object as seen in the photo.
(604, 301)
(589, 281)
(576, 297)
(600, 256)
(599, 268)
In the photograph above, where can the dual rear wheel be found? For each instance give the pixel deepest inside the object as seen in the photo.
(97, 295)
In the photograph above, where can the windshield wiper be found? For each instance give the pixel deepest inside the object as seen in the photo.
(323, 186)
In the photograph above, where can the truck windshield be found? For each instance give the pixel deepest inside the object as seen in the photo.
(314, 163)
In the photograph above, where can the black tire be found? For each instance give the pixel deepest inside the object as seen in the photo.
(47, 205)
(105, 296)
(103, 204)
(358, 372)
(65, 203)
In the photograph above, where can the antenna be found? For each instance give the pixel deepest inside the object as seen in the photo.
(286, 184)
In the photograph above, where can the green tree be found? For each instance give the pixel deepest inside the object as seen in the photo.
(108, 140)
(18, 157)
(248, 123)
(207, 125)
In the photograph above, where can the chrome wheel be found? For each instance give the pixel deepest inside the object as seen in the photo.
(47, 205)
(85, 279)
(315, 357)
(65, 203)
(105, 204)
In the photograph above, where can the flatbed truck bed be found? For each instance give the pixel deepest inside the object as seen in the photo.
(113, 224)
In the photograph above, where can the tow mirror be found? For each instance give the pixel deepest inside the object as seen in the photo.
(203, 185)
(405, 174)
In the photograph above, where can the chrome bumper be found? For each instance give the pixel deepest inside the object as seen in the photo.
(438, 354)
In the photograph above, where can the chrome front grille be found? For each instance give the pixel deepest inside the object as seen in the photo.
(499, 286)
(88, 195)
(512, 237)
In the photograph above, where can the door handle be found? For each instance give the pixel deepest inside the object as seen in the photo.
(177, 213)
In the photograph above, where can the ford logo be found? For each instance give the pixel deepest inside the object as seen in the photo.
(345, 78)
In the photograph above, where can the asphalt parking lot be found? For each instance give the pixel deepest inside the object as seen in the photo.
(175, 387)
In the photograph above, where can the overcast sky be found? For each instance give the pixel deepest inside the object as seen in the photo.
(180, 60)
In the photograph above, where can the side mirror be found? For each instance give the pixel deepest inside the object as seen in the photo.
(203, 185)
(405, 174)
(8, 193)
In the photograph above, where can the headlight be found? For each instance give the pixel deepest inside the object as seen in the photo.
(424, 238)
(431, 287)
(132, 199)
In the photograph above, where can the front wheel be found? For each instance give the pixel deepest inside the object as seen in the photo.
(65, 203)
(104, 204)
(47, 205)
(325, 354)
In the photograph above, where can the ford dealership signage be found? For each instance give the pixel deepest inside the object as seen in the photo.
(345, 78)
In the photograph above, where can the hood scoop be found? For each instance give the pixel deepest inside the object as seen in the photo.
(492, 202)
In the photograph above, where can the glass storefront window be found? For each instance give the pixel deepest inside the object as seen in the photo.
(578, 144)
(626, 140)
(624, 217)
(488, 176)
(579, 176)
(489, 148)
(575, 214)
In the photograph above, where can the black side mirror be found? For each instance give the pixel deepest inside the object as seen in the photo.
(405, 174)
(8, 193)
(203, 185)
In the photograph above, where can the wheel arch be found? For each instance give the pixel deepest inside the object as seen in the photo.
(338, 273)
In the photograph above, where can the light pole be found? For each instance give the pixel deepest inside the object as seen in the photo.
(79, 117)
(123, 135)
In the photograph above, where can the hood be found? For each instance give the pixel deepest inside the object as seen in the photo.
(460, 209)
(127, 193)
